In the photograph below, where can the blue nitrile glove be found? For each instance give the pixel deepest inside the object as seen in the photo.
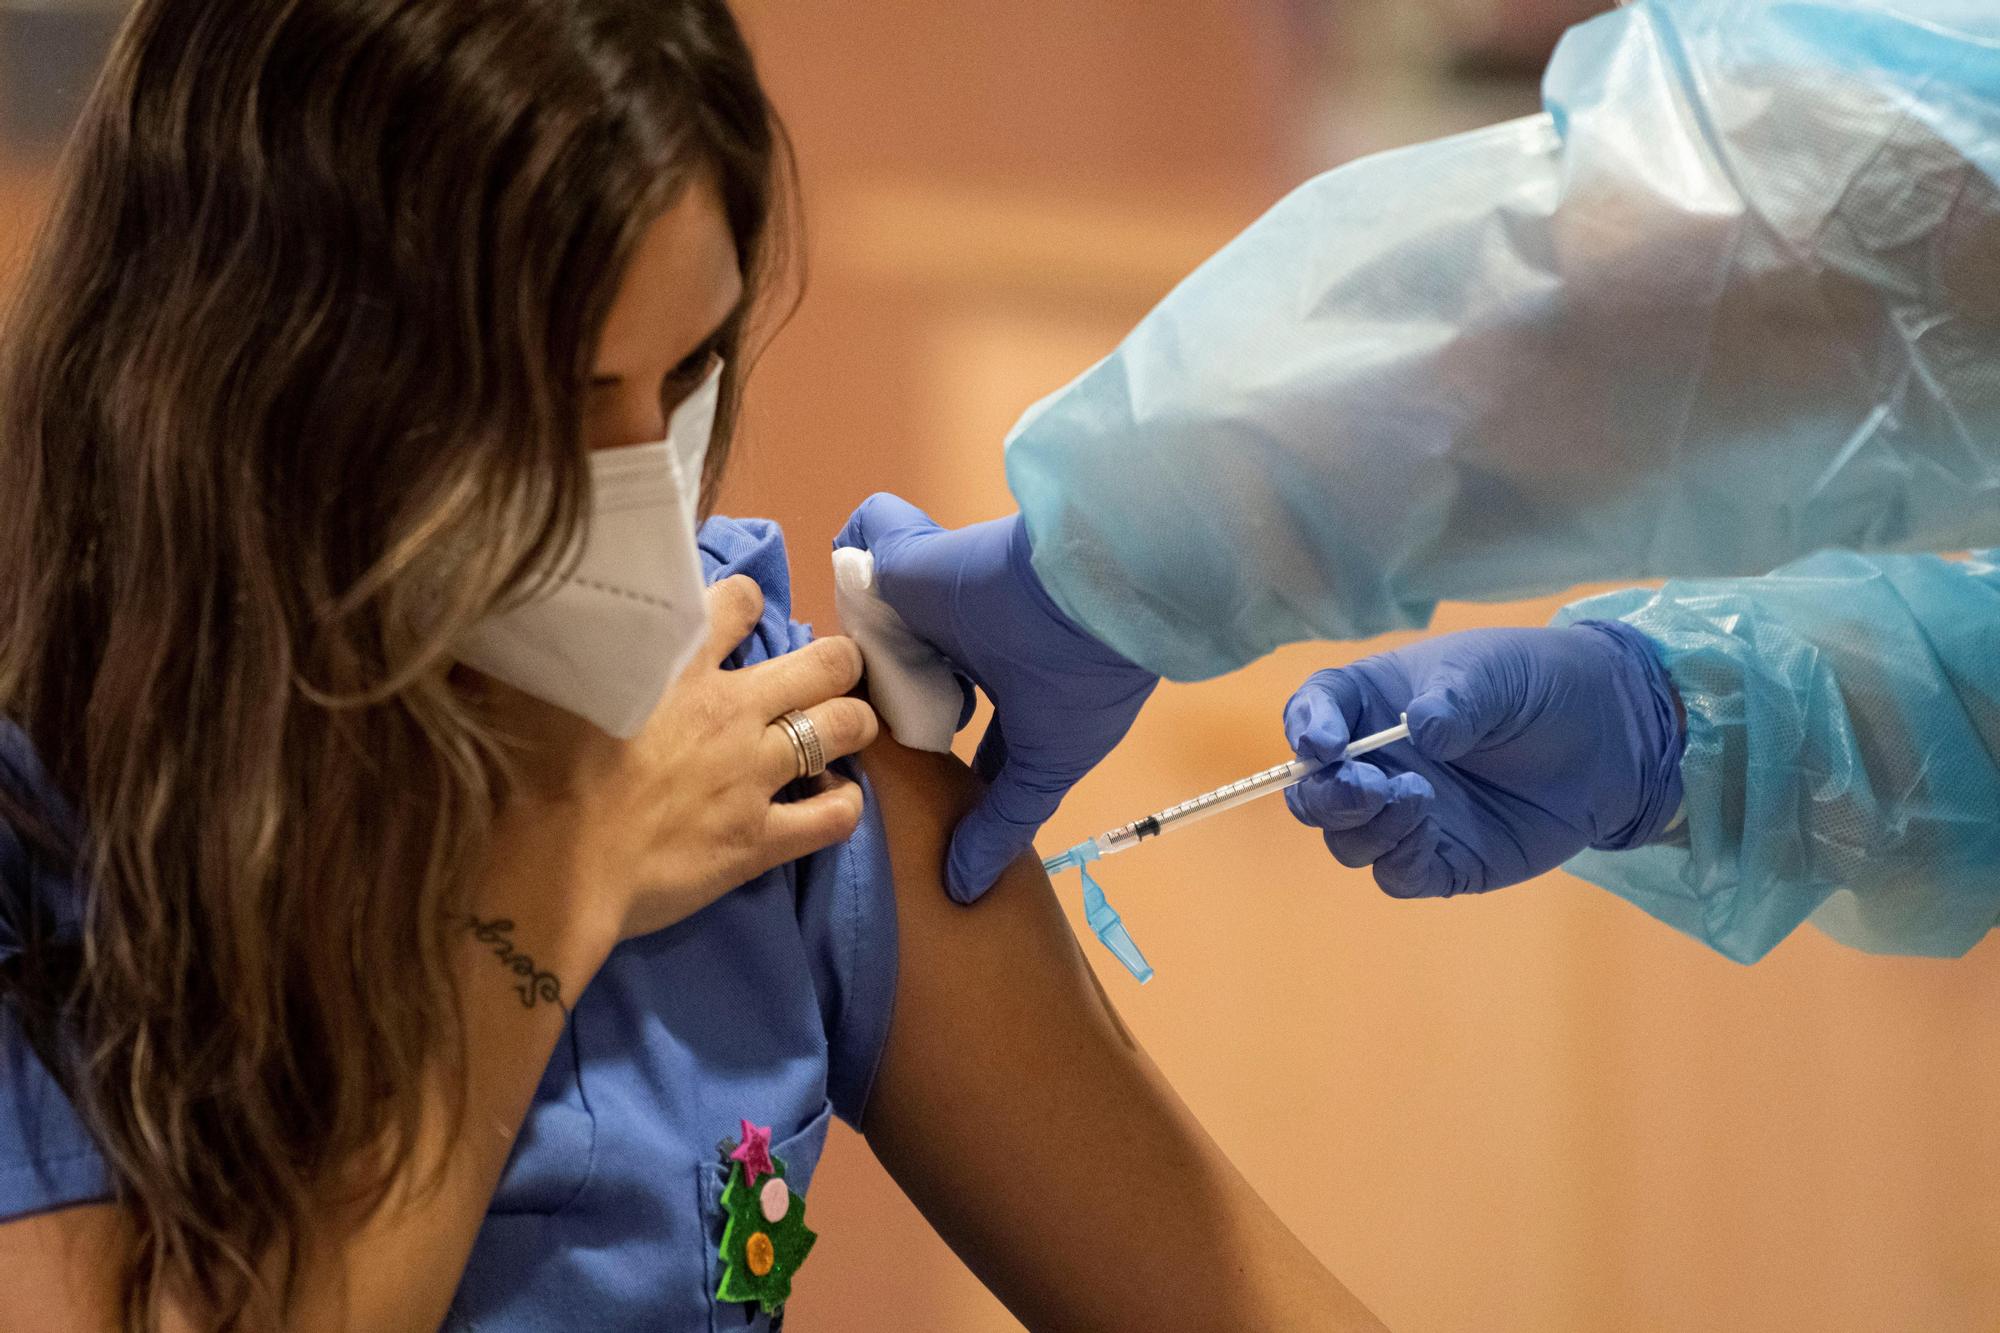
(1526, 746)
(1061, 699)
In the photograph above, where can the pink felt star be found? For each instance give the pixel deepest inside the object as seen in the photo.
(754, 1152)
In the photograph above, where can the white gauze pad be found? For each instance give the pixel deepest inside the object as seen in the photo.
(910, 683)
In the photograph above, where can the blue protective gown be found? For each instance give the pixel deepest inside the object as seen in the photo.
(1843, 722)
(771, 1004)
(1732, 298)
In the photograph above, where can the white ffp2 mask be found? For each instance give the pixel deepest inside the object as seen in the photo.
(606, 642)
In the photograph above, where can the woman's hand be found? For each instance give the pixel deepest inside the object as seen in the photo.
(660, 826)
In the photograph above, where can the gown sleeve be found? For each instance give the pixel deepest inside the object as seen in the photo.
(1843, 723)
(1729, 299)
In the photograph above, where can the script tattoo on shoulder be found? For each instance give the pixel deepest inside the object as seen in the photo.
(534, 985)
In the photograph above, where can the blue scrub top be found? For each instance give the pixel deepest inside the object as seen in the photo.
(770, 1005)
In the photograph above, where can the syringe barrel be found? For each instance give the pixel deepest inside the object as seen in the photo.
(1123, 838)
(1276, 778)
(1273, 779)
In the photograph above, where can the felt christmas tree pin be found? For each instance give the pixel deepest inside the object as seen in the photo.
(765, 1238)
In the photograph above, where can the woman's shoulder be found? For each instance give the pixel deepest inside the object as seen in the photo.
(752, 546)
(33, 817)
(842, 900)
(20, 778)
(846, 911)
(47, 1158)
(25, 779)
(19, 764)
(755, 548)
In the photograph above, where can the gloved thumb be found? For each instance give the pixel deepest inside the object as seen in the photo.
(1454, 713)
(999, 829)
(879, 517)
(1317, 717)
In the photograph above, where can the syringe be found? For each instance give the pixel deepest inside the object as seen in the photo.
(1228, 797)
(1098, 913)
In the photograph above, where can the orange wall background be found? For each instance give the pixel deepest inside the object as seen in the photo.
(1537, 1110)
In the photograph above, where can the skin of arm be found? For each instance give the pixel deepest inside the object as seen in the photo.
(1018, 1113)
(397, 1268)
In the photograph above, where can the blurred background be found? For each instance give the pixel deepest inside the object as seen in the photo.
(1537, 1110)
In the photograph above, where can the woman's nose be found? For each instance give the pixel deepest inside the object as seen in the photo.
(626, 418)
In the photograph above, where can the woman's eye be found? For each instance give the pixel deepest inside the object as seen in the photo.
(688, 375)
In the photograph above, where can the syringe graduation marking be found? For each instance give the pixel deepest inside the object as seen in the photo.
(1236, 788)
(1275, 778)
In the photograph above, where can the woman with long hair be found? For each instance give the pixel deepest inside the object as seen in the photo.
(390, 924)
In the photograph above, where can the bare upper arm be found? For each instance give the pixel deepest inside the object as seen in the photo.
(1016, 1110)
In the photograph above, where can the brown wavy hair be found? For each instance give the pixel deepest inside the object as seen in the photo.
(291, 395)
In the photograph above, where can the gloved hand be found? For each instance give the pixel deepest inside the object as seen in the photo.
(1526, 746)
(1061, 699)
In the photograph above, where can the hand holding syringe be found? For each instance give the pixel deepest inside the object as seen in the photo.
(1099, 913)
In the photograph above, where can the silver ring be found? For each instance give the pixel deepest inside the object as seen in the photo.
(784, 724)
(805, 744)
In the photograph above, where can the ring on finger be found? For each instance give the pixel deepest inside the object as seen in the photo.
(806, 746)
(784, 724)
